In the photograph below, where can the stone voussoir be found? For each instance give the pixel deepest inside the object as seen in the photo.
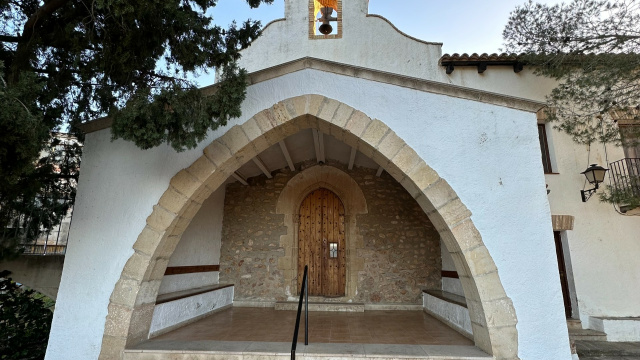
(251, 129)
(500, 313)
(466, 235)
(190, 210)
(374, 133)
(235, 139)
(265, 120)
(423, 175)
(281, 113)
(118, 320)
(173, 200)
(507, 349)
(440, 193)
(125, 292)
(390, 145)
(480, 261)
(185, 183)
(314, 103)
(358, 123)
(296, 106)
(406, 159)
(148, 292)
(342, 115)
(328, 109)
(148, 240)
(161, 218)
(137, 267)
(202, 168)
(112, 347)
(159, 267)
(489, 287)
(217, 152)
(167, 246)
(453, 213)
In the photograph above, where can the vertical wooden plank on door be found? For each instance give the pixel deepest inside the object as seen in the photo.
(308, 249)
(328, 273)
(326, 279)
(335, 262)
(317, 242)
(303, 238)
(322, 218)
(342, 245)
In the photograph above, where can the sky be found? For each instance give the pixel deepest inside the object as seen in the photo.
(463, 26)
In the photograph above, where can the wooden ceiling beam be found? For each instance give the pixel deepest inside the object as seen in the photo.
(240, 178)
(352, 158)
(262, 166)
(287, 156)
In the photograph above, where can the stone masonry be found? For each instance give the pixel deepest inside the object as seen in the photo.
(401, 247)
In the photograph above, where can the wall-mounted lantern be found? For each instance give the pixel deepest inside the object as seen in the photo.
(595, 175)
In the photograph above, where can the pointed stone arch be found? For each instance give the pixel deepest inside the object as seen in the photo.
(133, 298)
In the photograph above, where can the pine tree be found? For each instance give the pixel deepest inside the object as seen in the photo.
(66, 62)
(592, 49)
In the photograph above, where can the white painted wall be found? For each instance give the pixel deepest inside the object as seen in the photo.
(456, 137)
(603, 245)
(617, 329)
(450, 285)
(372, 42)
(488, 154)
(200, 245)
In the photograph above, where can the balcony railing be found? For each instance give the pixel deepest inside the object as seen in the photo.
(625, 178)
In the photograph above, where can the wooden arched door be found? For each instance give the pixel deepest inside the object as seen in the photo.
(321, 243)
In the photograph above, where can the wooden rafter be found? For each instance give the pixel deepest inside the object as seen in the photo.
(285, 152)
(240, 178)
(262, 166)
(352, 158)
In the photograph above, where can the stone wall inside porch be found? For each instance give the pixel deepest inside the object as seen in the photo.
(401, 248)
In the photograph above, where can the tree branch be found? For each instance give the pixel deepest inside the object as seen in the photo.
(29, 30)
(8, 38)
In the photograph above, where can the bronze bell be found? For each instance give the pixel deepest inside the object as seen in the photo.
(326, 18)
(325, 29)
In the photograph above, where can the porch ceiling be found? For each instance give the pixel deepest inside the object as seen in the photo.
(301, 147)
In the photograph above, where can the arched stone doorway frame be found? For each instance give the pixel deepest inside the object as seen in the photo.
(288, 204)
(132, 301)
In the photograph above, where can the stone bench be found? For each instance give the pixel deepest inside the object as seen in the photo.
(176, 309)
(448, 308)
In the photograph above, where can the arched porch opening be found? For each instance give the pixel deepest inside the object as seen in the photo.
(132, 302)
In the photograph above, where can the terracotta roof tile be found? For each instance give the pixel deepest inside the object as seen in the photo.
(481, 61)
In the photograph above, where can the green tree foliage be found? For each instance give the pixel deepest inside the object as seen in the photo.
(66, 62)
(25, 321)
(592, 48)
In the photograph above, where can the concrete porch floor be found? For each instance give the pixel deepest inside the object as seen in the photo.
(264, 333)
(369, 327)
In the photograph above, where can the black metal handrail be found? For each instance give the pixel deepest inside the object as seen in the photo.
(304, 292)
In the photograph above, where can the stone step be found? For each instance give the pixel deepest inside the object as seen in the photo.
(241, 350)
(586, 334)
(574, 324)
(600, 349)
(321, 306)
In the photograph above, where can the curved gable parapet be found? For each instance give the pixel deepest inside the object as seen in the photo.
(369, 41)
